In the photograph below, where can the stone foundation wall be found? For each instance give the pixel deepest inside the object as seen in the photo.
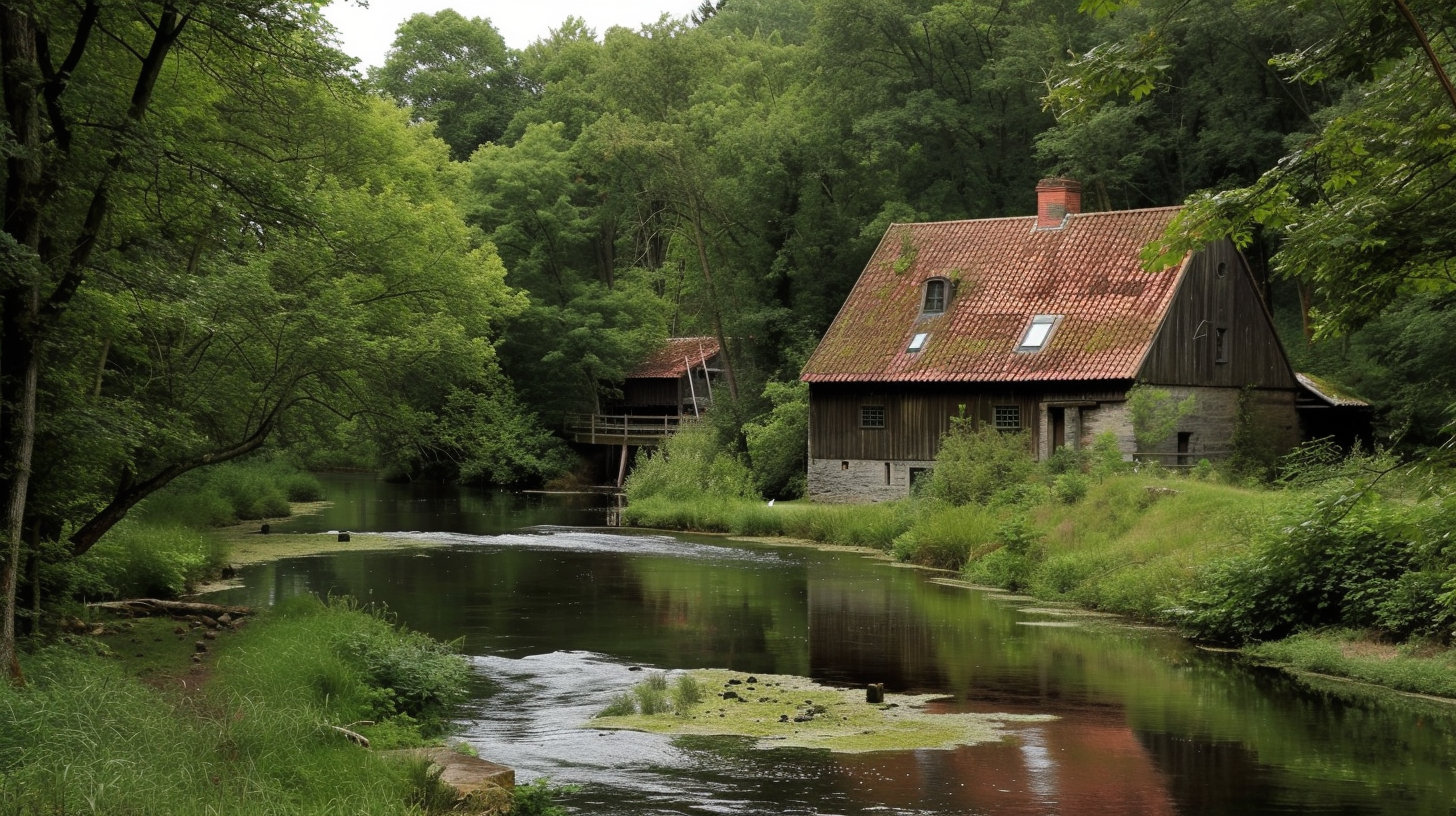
(853, 481)
(1212, 424)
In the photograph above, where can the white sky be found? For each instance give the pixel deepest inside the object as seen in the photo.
(366, 33)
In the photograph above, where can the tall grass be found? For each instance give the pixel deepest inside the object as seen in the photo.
(85, 738)
(859, 525)
(137, 559)
(231, 492)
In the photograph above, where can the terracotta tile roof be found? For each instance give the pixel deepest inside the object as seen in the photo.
(673, 359)
(1088, 272)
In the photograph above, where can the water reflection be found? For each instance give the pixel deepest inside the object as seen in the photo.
(1148, 725)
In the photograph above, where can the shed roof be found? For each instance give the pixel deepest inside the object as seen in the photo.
(1329, 393)
(675, 357)
(1003, 273)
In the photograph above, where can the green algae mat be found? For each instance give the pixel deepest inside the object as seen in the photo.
(783, 711)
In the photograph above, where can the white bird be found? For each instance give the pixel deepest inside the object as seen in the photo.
(770, 502)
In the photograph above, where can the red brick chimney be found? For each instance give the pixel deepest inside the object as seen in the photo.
(1056, 198)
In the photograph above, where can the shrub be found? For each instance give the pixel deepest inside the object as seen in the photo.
(137, 560)
(1341, 555)
(948, 537)
(1105, 456)
(974, 464)
(686, 693)
(689, 465)
(1071, 487)
(650, 699)
(778, 445)
(622, 705)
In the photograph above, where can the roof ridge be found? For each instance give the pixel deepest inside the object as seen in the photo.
(1033, 217)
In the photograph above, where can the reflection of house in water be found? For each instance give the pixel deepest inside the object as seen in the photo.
(673, 385)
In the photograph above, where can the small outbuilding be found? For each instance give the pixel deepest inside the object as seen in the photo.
(1041, 324)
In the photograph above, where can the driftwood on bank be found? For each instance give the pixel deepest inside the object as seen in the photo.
(144, 607)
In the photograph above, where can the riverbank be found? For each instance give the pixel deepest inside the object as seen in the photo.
(1215, 561)
(267, 717)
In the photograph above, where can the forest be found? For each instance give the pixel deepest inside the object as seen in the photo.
(224, 237)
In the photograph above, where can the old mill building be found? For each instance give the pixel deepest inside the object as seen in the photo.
(1043, 324)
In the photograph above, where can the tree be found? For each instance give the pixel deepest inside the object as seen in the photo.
(1358, 209)
(457, 73)
(188, 263)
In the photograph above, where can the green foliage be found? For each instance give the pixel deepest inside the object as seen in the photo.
(622, 705)
(457, 73)
(253, 488)
(353, 665)
(1070, 488)
(778, 444)
(139, 559)
(1339, 653)
(974, 464)
(1106, 456)
(1155, 414)
(947, 539)
(690, 465)
(686, 693)
(651, 699)
(538, 798)
(1342, 554)
(255, 741)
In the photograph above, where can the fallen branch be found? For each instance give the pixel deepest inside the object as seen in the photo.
(144, 607)
(354, 736)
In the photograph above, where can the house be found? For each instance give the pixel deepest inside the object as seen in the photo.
(1040, 323)
(672, 385)
(675, 380)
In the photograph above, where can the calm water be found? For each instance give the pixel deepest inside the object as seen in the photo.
(555, 614)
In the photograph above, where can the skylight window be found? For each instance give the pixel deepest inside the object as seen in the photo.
(1038, 332)
(918, 341)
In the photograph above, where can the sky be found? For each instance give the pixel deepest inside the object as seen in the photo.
(366, 33)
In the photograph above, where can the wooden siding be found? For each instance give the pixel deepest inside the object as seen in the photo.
(917, 415)
(1183, 351)
(651, 392)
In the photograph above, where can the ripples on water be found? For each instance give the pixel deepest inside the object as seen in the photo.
(588, 541)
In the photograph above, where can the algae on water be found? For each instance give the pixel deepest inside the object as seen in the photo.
(782, 711)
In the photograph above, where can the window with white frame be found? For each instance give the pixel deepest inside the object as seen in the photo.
(1038, 332)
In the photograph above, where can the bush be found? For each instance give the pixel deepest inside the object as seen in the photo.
(140, 560)
(1341, 555)
(949, 537)
(1070, 487)
(778, 445)
(354, 665)
(689, 465)
(686, 693)
(225, 494)
(975, 464)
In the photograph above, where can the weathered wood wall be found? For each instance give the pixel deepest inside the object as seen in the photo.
(916, 415)
(1183, 352)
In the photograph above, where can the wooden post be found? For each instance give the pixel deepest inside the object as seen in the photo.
(622, 468)
(692, 389)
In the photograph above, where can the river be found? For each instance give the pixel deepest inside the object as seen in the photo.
(556, 613)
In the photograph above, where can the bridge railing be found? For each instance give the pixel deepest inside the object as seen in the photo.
(609, 429)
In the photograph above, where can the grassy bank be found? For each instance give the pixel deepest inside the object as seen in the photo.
(1344, 567)
(127, 724)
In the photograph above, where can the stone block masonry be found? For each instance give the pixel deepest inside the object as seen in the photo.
(850, 481)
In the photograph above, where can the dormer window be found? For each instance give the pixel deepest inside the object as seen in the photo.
(1038, 332)
(935, 291)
